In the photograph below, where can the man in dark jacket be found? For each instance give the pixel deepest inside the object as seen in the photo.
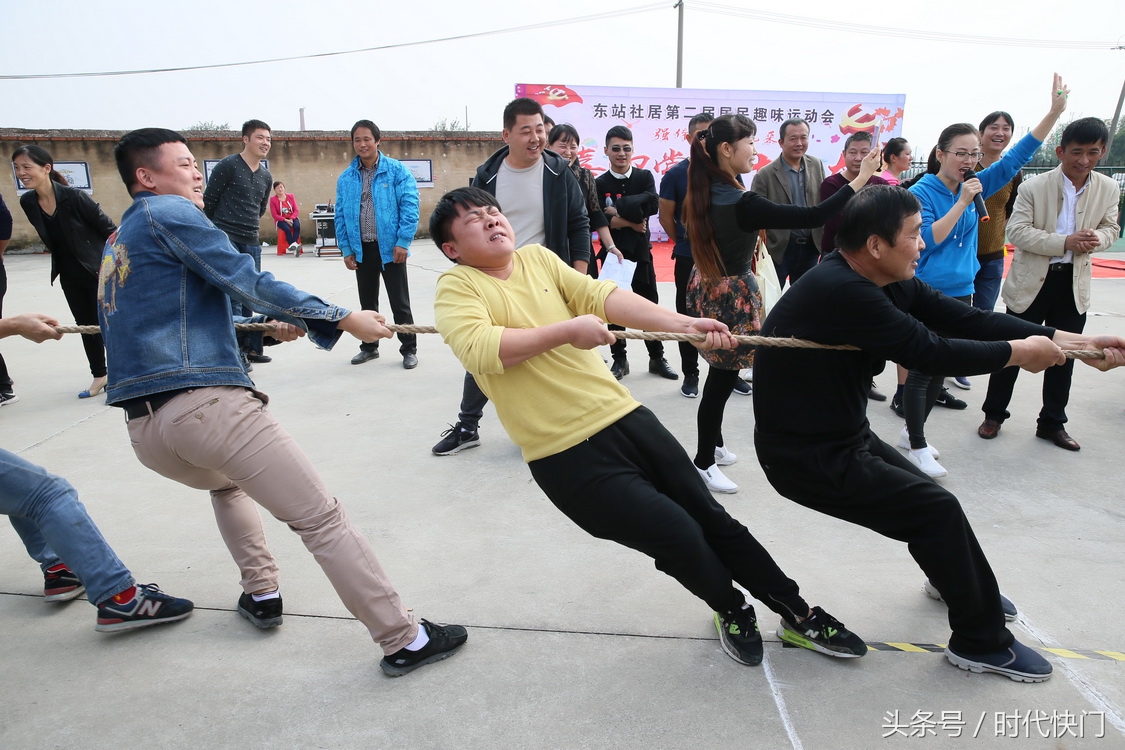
(545, 205)
(634, 195)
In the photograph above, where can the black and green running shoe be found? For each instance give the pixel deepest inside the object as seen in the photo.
(739, 636)
(822, 632)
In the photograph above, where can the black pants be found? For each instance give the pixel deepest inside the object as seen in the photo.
(5, 378)
(799, 257)
(867, 482)
(644, 284)
(918, 396)
(81, 291)
(1054, 307)
(689, 355)
(472, 403)
(367, 276)
(632, 483)
(709, 418)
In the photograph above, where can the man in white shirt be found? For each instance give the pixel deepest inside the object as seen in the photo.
(1059, 219)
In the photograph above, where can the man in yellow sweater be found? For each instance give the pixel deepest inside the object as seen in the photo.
(526, 326)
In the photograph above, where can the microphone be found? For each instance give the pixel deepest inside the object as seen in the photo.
(978, 201)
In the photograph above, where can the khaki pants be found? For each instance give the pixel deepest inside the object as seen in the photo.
(224, 440)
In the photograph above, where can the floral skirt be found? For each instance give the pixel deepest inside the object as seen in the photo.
(736, 301)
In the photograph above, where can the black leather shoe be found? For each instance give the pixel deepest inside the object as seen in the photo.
(409, 361)
(258, 359)
(365, 356)
(989, 429)
(1059, 438)
(874, 394)
(663, 369)
(620, 367)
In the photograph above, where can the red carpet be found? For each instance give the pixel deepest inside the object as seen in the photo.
(1105, 267)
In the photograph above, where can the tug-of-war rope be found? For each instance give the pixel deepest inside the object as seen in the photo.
(642, 335)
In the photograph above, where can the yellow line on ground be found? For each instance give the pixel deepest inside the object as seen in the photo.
(1066, 653)
(1112, 655)
(908, 647)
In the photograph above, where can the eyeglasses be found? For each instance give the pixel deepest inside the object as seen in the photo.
(617, 149)
(976, 155)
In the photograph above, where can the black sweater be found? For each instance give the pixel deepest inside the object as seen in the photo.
(639, 200)
(821, 394)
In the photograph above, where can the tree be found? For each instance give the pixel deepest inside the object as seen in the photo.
(208, 125)
(447, 126)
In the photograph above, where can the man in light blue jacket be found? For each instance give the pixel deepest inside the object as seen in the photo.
(376, 218)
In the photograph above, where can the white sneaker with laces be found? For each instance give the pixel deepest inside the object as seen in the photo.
(924, 460)
(716, 481)
(904, 442)
(723, 457)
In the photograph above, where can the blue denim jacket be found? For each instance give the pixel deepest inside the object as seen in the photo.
(166, 275)
(395, 194)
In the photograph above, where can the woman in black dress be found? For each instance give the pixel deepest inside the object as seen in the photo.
(74, 229)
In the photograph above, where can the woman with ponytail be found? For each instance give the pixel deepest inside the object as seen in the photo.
(723, 220)
(74, 229)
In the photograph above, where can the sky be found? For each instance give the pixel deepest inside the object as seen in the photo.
(412, 88)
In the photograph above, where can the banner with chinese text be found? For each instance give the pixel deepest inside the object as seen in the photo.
(659, 119)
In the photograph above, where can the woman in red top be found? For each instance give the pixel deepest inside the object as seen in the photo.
(283, 209)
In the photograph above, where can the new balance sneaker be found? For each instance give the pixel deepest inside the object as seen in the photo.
(149, 606)
(7, 397)
(1010, 611)
(61, 586)
(949, 401)
(822, 632)
(739, 636)
(904, 442)
(455, 440)
(690, 388)
(723, 457)
(742, 388)
(716, 480)
(444, 641)
(924, 460)
(263, 614)
(1017, 662)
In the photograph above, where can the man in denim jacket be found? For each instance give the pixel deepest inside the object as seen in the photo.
(193, 414)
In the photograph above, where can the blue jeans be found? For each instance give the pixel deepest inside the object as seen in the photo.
(987, 285)
(45, 511)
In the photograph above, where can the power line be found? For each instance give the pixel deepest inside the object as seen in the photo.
(933, 36)
(515, 29)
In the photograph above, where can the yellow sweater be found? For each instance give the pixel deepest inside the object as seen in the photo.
(552, 401)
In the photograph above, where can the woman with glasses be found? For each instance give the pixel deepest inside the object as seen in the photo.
(948, 263)
(74, 229)
(563, 140)
(723, 220)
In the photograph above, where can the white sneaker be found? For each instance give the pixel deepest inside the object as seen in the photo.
(716, 480)
(904, 442)
(747, 374)
(295, 246)
(723, 457)
(924, 460)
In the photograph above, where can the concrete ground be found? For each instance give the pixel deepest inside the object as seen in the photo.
(574, 642)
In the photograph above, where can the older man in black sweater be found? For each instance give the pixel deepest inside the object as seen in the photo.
(812, 435)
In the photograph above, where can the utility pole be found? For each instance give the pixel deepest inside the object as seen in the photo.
(302, 119)
(680, 46)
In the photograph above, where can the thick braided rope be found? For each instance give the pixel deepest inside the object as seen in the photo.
(642, 335)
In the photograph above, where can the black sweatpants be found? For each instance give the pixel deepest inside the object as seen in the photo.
(863, 480)
(632, 483)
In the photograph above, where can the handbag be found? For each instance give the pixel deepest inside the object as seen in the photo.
(766, 275)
